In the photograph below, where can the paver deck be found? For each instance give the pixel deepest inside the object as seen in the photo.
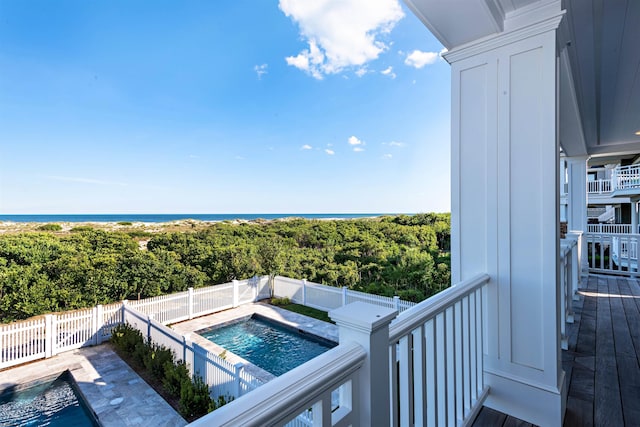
(116, 394)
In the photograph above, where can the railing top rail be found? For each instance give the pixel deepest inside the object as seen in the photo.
(281, 398)
(627, 167)
(420, 313)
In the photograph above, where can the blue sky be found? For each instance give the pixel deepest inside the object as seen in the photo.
(226, 106)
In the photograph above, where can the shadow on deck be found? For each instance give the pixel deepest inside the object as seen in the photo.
(602, 363)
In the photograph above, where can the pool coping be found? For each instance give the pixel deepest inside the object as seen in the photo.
(305, 324)
(114, 392)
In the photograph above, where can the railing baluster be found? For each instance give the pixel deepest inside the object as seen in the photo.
(419, 377)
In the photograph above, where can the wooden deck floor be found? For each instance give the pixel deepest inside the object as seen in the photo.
(603, 360)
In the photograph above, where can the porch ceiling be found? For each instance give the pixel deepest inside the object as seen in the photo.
(602, 39)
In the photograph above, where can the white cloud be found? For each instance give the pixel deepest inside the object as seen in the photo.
(419, 59)
(387, 156)
(340, 33)
(394, 144)
(361, 71)
(357, 144)
(389, 72)
(239, 158)
(329, 152)
(260, 70)
(353, 140)
(306, 147)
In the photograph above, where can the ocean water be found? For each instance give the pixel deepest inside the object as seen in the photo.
(174, 217)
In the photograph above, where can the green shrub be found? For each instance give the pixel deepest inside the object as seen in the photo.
(138, 234)
(81, 229)
(155, 359)
(220, 401)
(125, 223)
(126, 338)
(174, 376)
(50, 227)
(280, 301)
(194, 398)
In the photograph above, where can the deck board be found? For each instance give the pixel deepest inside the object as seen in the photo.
(602, 363)
(605, 371)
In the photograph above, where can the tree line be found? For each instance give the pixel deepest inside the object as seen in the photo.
(45, 272)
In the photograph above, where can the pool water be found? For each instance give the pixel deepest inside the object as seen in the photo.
(274, 348)
(52, 402)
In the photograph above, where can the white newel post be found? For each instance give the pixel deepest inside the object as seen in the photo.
(368, 325)
(577, 206)
(236, 293)
(344, 295)
(505, 207)
(396, 302)
(190, 302)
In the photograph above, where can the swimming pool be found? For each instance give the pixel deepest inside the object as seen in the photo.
(269, 345)
(52, 401)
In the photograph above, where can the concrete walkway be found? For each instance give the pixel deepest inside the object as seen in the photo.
(116, 394)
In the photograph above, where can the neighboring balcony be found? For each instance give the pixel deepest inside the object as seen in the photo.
(625, 181)
(623, 185)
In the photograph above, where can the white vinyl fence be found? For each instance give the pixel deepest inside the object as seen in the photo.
(223, 378)
(48, 335)
(327, 298)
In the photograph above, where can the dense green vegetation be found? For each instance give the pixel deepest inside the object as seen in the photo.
(46, 272)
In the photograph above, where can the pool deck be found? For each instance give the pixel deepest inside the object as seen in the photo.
(116, 394)
(306, 324)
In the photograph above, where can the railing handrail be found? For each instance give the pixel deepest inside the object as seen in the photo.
(420, 313)
(291, 393)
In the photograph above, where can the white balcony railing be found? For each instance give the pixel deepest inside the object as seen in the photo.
(626, 177)
(569, 277)
(436, 353)
(610, 228)
(599, 186)
(434, 359)
(613, 253)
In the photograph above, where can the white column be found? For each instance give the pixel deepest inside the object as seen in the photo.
(505, 208)
(368, 325)
(577, 206)
(634, 216)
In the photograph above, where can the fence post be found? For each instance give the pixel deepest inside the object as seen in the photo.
(99, 319)
(186, 343)
(304, 292)
(124, 317)
(149, 319)
(190, 302)
(237, 367)
(236, 292)
(49, 335)
(344, 295)
(396, 302)
(368, 325)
